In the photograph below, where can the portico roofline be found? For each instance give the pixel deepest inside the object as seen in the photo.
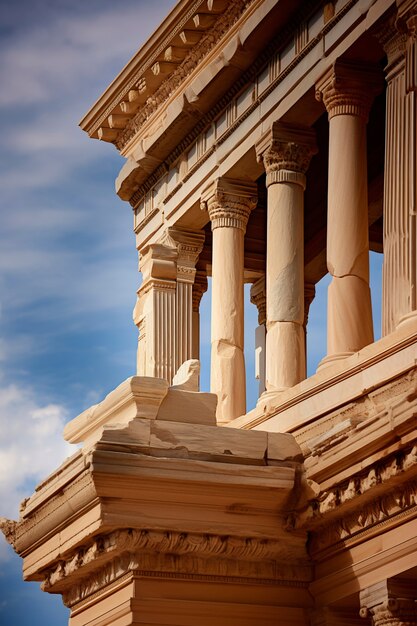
(159, 47)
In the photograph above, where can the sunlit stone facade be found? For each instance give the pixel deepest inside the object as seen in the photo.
(270, 143)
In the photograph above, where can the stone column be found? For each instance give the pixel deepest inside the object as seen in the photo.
(286, 152)
(199, 288)
(188, 244)
(392, 602)
(398, 37)
(258, 298)
(347, 91)
(229, 203)
(155, 312)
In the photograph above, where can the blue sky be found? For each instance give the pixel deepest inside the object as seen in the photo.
(67, 253)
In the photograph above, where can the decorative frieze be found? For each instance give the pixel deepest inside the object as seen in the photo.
(107, 558)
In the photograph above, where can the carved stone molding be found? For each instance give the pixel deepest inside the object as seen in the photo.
(107, 557)
(229, 202)
(348, 88)
(191, 61)
(285, 152)
(359, 484)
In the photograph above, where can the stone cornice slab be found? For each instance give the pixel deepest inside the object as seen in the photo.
(138, 396)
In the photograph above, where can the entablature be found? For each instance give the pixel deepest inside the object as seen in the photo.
(279, 85)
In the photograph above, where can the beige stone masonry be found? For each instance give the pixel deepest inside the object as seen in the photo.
(189, 245)
(285, 151)
(154, 505)
(229, 203)
(155, 312)
(392, 601)
(148, 398)
(347, 91)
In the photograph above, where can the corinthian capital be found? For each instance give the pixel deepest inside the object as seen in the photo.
(285, 151)
(348, 88)
(229, 202)
(391, 602)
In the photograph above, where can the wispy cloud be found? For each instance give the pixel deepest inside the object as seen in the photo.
(31, 444)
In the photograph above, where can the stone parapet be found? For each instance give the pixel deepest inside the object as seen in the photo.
(152, 502)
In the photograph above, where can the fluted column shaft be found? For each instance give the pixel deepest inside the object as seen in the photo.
(155, 312)
(229, 203)
(188, 244)
(347, 91)
(286, 152)
(399, 39)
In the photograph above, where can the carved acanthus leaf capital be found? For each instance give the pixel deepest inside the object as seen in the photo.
(189, 245)
(229, 202)
(392, 602)
(348, 88)
(285, 152)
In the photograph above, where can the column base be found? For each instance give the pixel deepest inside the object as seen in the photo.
(408, 317)
(270, 394)
(328, 360)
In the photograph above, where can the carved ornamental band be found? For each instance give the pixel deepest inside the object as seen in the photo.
(229, 203)
(285, 152)
(349, 89)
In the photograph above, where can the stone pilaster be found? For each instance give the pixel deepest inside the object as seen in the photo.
(258, 298)
(347, 91)
(155, 312)
(229, 203)
(188, 244)
(285, 152)
(392, 602)
(398, 37)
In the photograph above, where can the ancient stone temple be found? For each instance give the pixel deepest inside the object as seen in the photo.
(267, 142)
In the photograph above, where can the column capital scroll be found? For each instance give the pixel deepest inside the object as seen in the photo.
(285, 151)
(391, 602)
(189, 245)
(348, 88)
(229, 202)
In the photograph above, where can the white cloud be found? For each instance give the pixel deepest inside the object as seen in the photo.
(51, 56)
(31, 445)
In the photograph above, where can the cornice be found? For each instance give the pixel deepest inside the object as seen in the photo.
(143, 60)
(379, 494)
(235, 8)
